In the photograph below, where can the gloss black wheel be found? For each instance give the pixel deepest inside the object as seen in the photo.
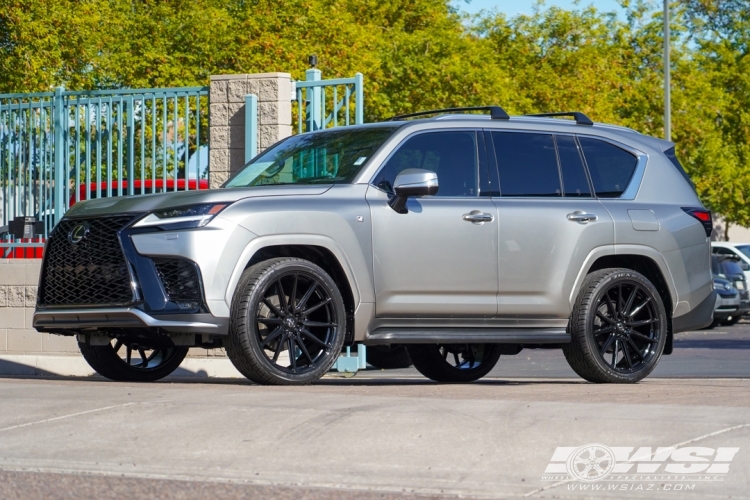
(288, 322)
(134, 359)
(454, 362)
(618, 327)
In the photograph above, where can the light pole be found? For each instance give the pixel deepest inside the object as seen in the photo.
(667, 105)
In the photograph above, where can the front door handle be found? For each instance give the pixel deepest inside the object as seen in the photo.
(478, 217)
(582, 217)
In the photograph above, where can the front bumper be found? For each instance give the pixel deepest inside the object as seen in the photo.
(71, 321)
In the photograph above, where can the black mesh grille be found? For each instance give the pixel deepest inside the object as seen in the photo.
(92, 271)
(180, 279)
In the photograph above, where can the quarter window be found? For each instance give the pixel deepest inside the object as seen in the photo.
(451, 155)
(611, 168)
(527, 164)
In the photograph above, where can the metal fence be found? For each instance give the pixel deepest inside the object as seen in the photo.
(328, 103)
(58, 148)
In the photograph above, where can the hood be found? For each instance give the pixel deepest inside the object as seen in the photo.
(151, 202)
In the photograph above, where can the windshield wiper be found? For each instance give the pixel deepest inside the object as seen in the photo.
(322, 180)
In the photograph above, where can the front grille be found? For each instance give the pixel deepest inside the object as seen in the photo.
(180, 279)
(92, 271)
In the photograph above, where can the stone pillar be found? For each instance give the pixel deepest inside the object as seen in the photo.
(18, 286)
(227, 118)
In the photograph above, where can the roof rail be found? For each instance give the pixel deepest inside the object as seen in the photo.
(580, 118)
(496, 112)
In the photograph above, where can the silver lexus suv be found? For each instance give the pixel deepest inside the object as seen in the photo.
(462, 236)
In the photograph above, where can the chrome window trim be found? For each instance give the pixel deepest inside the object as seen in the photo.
(631, 191)
(640, 167)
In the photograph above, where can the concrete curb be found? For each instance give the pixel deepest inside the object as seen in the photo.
(76, 366)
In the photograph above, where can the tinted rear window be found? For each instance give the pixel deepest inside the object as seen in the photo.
(611, 168)
(575, 183)
(527, 164)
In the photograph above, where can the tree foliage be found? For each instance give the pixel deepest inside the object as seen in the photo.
(422, 54)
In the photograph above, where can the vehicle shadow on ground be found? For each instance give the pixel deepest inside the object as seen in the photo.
(713, 343)
(328, 381)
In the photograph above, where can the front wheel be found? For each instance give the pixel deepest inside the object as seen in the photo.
(133, 360)
(454, 363)
(288, 322)
(618, 327)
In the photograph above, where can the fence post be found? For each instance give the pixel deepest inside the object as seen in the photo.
(251, 127)
(312, 97)
(359, 95)
(60, 176)
(131, 145)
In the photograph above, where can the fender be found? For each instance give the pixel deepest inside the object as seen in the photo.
(294, 239)
(642, 250)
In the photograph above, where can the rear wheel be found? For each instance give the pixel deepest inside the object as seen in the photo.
(388, 357)
(618, 327)
(454, 362)
(133, 360)
(287, 322)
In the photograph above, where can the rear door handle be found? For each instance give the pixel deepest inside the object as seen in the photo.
(582, 217)
(478, 217)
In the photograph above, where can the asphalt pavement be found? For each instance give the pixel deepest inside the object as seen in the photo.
(382, 434)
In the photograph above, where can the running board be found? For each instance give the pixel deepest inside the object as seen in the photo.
(468, 335)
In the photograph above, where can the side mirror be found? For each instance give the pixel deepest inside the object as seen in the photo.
(412, 182)
(745, 266)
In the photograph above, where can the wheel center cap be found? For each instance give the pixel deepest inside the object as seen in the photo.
(289, 322)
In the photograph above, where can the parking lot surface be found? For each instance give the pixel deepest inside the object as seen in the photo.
(381, 434)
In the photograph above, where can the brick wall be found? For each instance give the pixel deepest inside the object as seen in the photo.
(18, 283)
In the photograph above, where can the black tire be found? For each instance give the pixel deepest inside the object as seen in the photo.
(619, 315)
(285, 304)
(388, 357)
(157, 364)
(467, 363)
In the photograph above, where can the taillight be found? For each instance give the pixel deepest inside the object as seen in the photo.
(703, 216)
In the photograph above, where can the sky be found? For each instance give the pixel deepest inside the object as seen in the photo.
(513, 7)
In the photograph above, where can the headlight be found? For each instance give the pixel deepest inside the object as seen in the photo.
(183, 217)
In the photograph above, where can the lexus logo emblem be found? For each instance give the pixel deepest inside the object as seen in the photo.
(78, 233)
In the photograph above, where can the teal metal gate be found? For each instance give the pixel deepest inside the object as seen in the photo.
(318, 104)
(344, 97)
(58, 148)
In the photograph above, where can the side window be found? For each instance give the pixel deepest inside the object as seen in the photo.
(451, 155)
(611, 168)
(527, 164)
(575, 183)
(723, 251)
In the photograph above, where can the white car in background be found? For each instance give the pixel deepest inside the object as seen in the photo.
(742, 250)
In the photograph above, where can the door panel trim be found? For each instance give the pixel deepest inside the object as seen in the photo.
(468, 335)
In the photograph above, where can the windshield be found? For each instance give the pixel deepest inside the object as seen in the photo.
(333, 157)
